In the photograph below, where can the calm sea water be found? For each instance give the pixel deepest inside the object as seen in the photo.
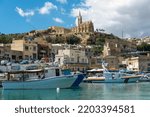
(86, 91)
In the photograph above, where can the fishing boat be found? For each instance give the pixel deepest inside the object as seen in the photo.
(105, 76)
(145, 78)
(50, 77)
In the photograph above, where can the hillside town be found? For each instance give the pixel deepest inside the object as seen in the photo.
(79, 48)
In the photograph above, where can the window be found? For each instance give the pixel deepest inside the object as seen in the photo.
(59, 60)
(20, 57)
(82, 60)
(34, 56)
(57, 72)
(72, 59)
(26, 47)
(14, 57)
(78, 59)
(34, 48)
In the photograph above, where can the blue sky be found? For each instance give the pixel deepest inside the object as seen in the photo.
(18, 16)
(114, 16)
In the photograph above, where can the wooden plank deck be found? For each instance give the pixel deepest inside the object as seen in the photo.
(135, 76)
(94, 78)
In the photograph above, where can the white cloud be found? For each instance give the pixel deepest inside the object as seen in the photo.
(46, 9)
(58, 20)
(24, 13)
(62, 1)
(115, 16)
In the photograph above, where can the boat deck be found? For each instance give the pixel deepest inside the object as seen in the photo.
(135, 76)
(95, 79)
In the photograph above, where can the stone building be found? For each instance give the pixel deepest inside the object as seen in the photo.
(95, 62)
(88, 49)
(113, 62)
(27, 47)
(140, 63)
(59, 30)
(43, 48)
(115, 47)
(7, 54)
(83, 27)
(4, 52)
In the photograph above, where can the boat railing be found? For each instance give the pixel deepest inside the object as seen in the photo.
(22, 75)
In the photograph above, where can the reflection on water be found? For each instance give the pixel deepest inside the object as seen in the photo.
(89, 91)
(29, 94)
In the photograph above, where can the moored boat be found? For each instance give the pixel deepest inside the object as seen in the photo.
(46, 78)
(145, 78)
(104, 76)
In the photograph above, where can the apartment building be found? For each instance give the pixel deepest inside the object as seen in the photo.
(7, 54)
(27, 47)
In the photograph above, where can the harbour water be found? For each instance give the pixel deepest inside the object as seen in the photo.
(86, 91)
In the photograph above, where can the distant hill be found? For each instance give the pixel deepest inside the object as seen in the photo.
(96, 38)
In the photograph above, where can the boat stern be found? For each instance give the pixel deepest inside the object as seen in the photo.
(79, 79)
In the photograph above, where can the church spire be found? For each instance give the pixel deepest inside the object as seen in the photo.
(80, 14)
(79, 18)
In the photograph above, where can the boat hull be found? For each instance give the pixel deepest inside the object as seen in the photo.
(119, 80)
(65, 81)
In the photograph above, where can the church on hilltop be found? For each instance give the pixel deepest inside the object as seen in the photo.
(83, 27)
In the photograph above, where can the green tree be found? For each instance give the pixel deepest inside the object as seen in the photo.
(100, 41)
(143, 47)
(97, 50)
(5, 39)
(72, 39)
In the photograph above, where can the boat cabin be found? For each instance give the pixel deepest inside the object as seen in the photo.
(95, 73)
(52, 72)
(26, 75)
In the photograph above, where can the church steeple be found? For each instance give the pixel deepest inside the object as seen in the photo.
(79, 19)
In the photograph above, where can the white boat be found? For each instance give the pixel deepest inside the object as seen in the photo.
(104, 76)
(145, 78)
(46, 78)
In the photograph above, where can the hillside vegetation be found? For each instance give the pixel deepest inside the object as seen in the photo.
(96, 39)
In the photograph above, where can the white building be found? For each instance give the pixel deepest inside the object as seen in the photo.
(72, 58)
(141, 63)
